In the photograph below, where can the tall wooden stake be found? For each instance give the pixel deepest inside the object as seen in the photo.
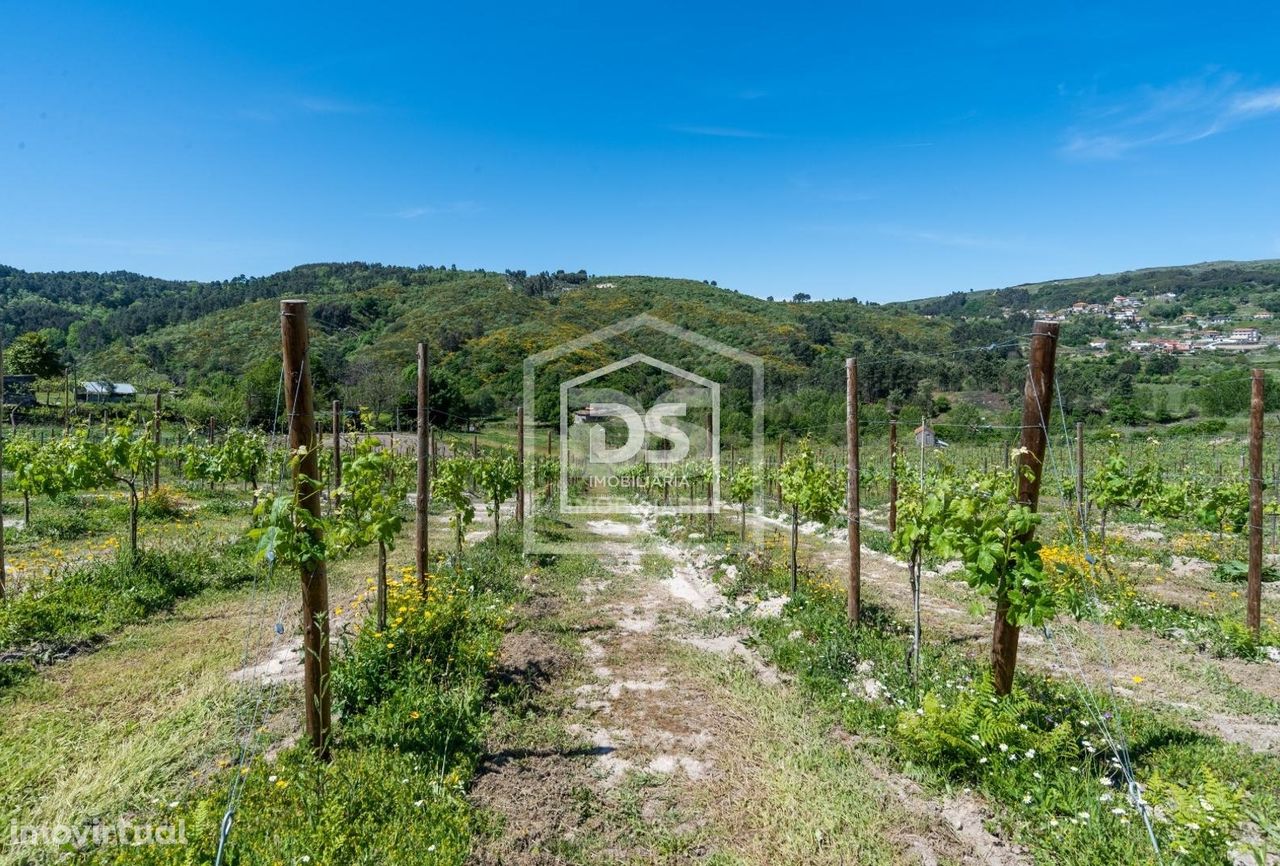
(315, 587)
(155, 478)
(1080, 494)
(1253, 617)
(1275, 527)
(2, 572)
(520, 465)
(1037, 404)
(852, 492)
(335, 422)
(782, 439)
(711, 468)
(422, 545)
(382, 586)
(893, 475)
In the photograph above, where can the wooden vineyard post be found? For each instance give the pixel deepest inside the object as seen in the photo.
(1080, 495)
(1253, 615)
(852, 492)
(335, 422)
(1037, 403)
(212, 427)
(782, 439)
(382, 586)
(1275, 516)
(2, 571)
(795, 541)
(520, 465)
(300, 409)
(155, 478)
(711, 468)
(915, 569)
(422, 543)
(893, 476)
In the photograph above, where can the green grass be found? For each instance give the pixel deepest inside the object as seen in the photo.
(85, 603)
(415, 709)
(931, 730)
(1220, 636)
(123, 729)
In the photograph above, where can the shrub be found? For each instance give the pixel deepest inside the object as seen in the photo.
(162, 504)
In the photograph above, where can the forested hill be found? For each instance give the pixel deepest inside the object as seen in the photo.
(1209, 288)
(214, 346)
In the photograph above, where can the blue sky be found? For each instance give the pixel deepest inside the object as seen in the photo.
(881, 152)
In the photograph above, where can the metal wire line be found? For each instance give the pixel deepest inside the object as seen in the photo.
(249, 721)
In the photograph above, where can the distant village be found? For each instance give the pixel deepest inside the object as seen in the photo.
(1188, 334)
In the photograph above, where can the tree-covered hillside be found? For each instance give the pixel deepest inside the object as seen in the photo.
(1207, 288)
(214, 347)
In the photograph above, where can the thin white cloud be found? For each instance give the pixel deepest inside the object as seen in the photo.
(323, 105)
(1259, 102)
(257, 114)
(827, 190)
(957, 239)
(722, 132)
(1180, 113)
(963, 240)
(417, 211)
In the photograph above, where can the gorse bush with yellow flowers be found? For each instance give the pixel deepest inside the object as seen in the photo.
(432, 644)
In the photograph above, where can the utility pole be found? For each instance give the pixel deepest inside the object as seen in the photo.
(1037, 403)
(893, 476)
(422, 546)
(852, 491)
(299, 405)
(1253, 616)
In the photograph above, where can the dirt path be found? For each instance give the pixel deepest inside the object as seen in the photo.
(1229, 698)
(645, 731)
